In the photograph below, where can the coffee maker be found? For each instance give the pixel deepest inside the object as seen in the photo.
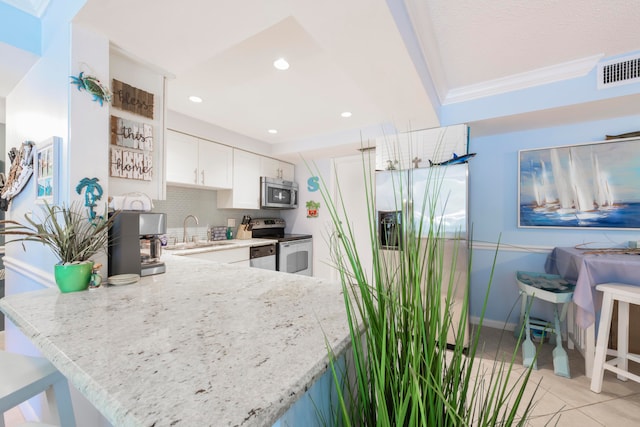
(134, 243)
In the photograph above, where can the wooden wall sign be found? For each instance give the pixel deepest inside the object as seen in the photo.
(131, 134)
(131, 164)
(132, 99)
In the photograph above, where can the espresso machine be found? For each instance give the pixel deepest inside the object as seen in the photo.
(134, 243)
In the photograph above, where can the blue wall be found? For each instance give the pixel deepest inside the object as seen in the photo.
(493, 211)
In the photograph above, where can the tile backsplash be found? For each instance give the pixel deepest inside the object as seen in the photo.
(183, 201)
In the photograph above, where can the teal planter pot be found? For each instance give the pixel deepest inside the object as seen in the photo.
(73, 277)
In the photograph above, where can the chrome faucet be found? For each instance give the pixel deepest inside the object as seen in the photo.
(184, 227)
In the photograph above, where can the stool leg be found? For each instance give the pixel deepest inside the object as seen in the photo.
(528, 349)
(623, 337)
(59, 400)
(560, 358)
(602, 343)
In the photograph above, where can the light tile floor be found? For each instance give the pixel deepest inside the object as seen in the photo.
(558, 401)
(563, 401)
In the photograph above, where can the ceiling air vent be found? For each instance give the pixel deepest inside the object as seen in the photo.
(619, 72)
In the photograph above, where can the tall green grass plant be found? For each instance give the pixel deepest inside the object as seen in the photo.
(401, 370)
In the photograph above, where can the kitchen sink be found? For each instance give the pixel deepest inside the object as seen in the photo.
(196, 245)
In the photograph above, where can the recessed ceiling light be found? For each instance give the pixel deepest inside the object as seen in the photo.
(281, 64)
(346, 114)
(195, 99)
(273, 131)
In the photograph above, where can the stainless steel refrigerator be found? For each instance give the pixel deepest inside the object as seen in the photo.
(411, 203)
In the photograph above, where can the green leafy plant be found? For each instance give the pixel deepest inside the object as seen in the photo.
(66, 230)
(401, 370)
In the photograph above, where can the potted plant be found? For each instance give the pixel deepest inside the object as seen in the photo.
(70, 235)
(400, 369)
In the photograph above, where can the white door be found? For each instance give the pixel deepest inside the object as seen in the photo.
(350, 174)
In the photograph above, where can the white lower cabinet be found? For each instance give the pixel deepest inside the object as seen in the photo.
(238, 256)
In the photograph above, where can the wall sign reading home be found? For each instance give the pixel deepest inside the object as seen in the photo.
(581, 186)
(132, 99)
(131, 164)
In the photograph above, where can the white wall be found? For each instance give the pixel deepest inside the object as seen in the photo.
(320, 227)
(139, 76)
(195, 127)
(44, 104)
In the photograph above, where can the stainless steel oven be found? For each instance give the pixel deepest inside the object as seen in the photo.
(294, 252)
(296, 255)
(278, 193)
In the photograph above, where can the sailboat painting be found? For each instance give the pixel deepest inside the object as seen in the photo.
(594, 185)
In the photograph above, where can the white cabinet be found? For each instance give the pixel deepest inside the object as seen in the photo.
(245, 193)
(238, 256)
(401, 150)
(192, 161)
(274, 168)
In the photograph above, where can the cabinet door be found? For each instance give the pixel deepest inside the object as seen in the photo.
(235, 255)
(245, 193)
(288, 171)
(216, 165)
(269, 167)
(182, 158)
(274, 168)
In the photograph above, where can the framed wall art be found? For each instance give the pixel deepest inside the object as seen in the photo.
(595, 185)
(46, 162)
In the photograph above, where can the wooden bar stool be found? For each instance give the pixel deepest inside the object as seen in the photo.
(625, 295)
(554, 289)
(23, 377)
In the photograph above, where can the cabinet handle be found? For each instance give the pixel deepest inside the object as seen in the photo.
(202, 175)
(195, 175)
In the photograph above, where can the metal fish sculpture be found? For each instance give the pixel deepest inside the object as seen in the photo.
(92, 85)
(454, 160)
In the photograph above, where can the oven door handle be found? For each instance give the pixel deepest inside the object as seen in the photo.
(295, 242)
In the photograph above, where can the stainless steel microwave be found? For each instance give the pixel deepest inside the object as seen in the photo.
(278, 194)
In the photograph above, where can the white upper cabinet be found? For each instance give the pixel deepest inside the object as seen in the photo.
(196, 162)
(181, 158)
(274, 168)
(216, 165)
(245, 193)
(415, 149)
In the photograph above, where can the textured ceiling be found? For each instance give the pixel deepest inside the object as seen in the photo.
(345, 56)
(393, 61)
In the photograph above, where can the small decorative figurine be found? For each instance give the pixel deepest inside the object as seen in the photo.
(312, 209)
(92, 85)
(93, 192)
(96, 278)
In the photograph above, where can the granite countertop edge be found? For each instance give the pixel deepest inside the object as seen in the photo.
(118, 413)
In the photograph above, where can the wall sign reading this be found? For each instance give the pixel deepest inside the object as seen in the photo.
(132, 99)
(130, 134)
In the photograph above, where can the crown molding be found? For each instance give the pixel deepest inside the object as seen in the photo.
(540, 76)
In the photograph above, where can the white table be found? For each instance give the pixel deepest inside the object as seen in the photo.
(586, 271)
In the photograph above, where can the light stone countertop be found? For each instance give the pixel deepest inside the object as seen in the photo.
(215, 245)
(202, 344)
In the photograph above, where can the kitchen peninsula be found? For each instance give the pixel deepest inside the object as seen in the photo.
(202, 344)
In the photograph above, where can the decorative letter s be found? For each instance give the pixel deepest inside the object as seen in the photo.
(312, 184)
